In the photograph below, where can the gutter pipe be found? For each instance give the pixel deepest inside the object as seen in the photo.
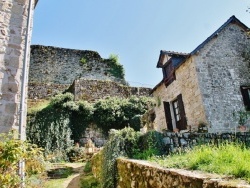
(22, 119)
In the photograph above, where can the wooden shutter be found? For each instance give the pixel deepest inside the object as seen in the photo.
(183, 123)
(168, 115)
(245, 95)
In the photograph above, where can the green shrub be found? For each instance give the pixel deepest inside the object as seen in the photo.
(121, 143)
(55, 127)
(90, 181)
(117, 113)
(150, 144)
(60, 99)
(83, 60)
(76, 154)
(11, 152)
(88, 167)
(116, 69)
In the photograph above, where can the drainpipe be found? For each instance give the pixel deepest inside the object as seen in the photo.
(22, 119)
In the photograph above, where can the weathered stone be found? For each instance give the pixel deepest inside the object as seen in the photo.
(168, 178)
(209, 82)
(13, 27)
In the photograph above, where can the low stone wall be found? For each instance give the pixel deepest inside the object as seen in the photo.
(176, 141)
(92, 90)
(141, 174)
(45, 90)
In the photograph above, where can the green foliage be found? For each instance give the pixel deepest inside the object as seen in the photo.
(60, 99)
(76, 154)
(150, 144)
(227, 158)
(89, 181)
(50, 130)
(121, 143)
(63, 120)
(11, 152)
(88, 167)
(83, 60)
(55, 127)
(241, 116)
(117, 113)
(60, 172)
(116, 69)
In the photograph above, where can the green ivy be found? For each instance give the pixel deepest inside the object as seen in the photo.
(55, 127)
(120, 143)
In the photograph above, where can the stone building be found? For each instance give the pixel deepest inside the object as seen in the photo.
(207, 85)
(15, 34)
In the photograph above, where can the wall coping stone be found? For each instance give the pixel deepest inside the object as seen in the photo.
(208, 179)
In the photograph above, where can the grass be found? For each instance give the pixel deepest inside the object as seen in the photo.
(227, 159)
(38, 105)
(55, 183)
(88, 180)
(65, 174)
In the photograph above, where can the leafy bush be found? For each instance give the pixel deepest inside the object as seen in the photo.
(60, 99)
(117, 113)
(117, 69)
(55, 127)
(88, 167)
(76, 154)
(121, 143)
(90, 181)
(11, 152)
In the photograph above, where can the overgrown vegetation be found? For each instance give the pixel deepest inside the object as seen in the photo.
(117, 113)
(116, 69)
(88, 180)
(56, 126)
(125, 143)
(11, 152)
(227, 158)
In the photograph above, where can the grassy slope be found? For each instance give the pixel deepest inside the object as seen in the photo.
(227, 159)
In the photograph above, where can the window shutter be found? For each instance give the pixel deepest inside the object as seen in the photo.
(168, 115)
(183, 124)
(245, 96)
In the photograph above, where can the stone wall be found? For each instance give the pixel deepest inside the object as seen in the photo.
(186, 83)
(92, 90)
(45, 90)
(221, 70)
(142, 174)
(13, 30)
(62, 66)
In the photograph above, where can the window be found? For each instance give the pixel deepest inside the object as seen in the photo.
(245, 91)
(175, 114)
(176, 110)
(168, 72)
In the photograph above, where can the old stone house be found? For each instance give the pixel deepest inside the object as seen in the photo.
(207, 85)
(15, 34)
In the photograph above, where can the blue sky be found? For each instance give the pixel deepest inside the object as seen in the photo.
(135, 30)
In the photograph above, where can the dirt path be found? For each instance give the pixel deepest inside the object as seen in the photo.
(74, 180)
